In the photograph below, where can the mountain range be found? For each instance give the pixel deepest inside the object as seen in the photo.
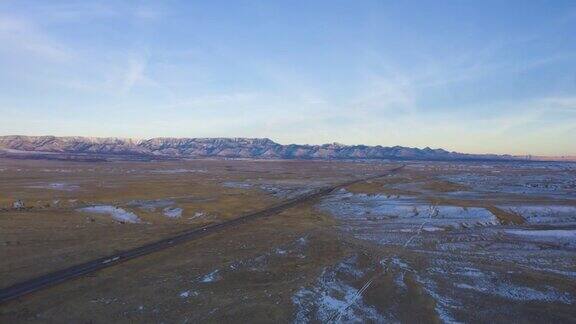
(178, 148)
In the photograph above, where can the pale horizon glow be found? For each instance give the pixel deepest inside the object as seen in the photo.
(467, 76)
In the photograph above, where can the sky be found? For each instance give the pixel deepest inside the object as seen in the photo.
(468, 76)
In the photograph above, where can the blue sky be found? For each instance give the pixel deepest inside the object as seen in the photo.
(471, 76)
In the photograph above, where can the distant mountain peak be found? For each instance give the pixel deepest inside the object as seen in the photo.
(236, 147)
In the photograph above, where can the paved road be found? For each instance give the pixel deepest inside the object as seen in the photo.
(50, 279)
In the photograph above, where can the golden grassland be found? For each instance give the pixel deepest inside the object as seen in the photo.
(51, 232)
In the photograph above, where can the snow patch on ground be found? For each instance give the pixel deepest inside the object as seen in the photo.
(151, 205)
(561, 234)
(544, 214)
(443, 304)
(198, 215)
(117, 213)
(211, 277)
(188, 293)
(553, 183)
(394, 220)
(294, 249)
(464, 276)
(172, 212)
(398, 265)
(519, 293)
(404, 210)
(237, 185)
(333, 300)
(565, 237)
(167, 206)
(58, 186)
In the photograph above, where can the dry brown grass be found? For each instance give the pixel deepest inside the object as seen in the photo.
(148, 289)
(48, 236)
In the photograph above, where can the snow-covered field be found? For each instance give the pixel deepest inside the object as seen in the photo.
(467, 283)
(549, 184)
(388, 219)
(469, 253)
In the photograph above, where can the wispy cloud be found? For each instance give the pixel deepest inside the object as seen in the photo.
(134, 74)
(245, 74)
(22, 35)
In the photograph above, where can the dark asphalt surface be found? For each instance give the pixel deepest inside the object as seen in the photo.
(51, 279)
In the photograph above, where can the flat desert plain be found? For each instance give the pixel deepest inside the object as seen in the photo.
(438, 242)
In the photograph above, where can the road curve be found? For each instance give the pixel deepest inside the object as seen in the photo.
(51, 279)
